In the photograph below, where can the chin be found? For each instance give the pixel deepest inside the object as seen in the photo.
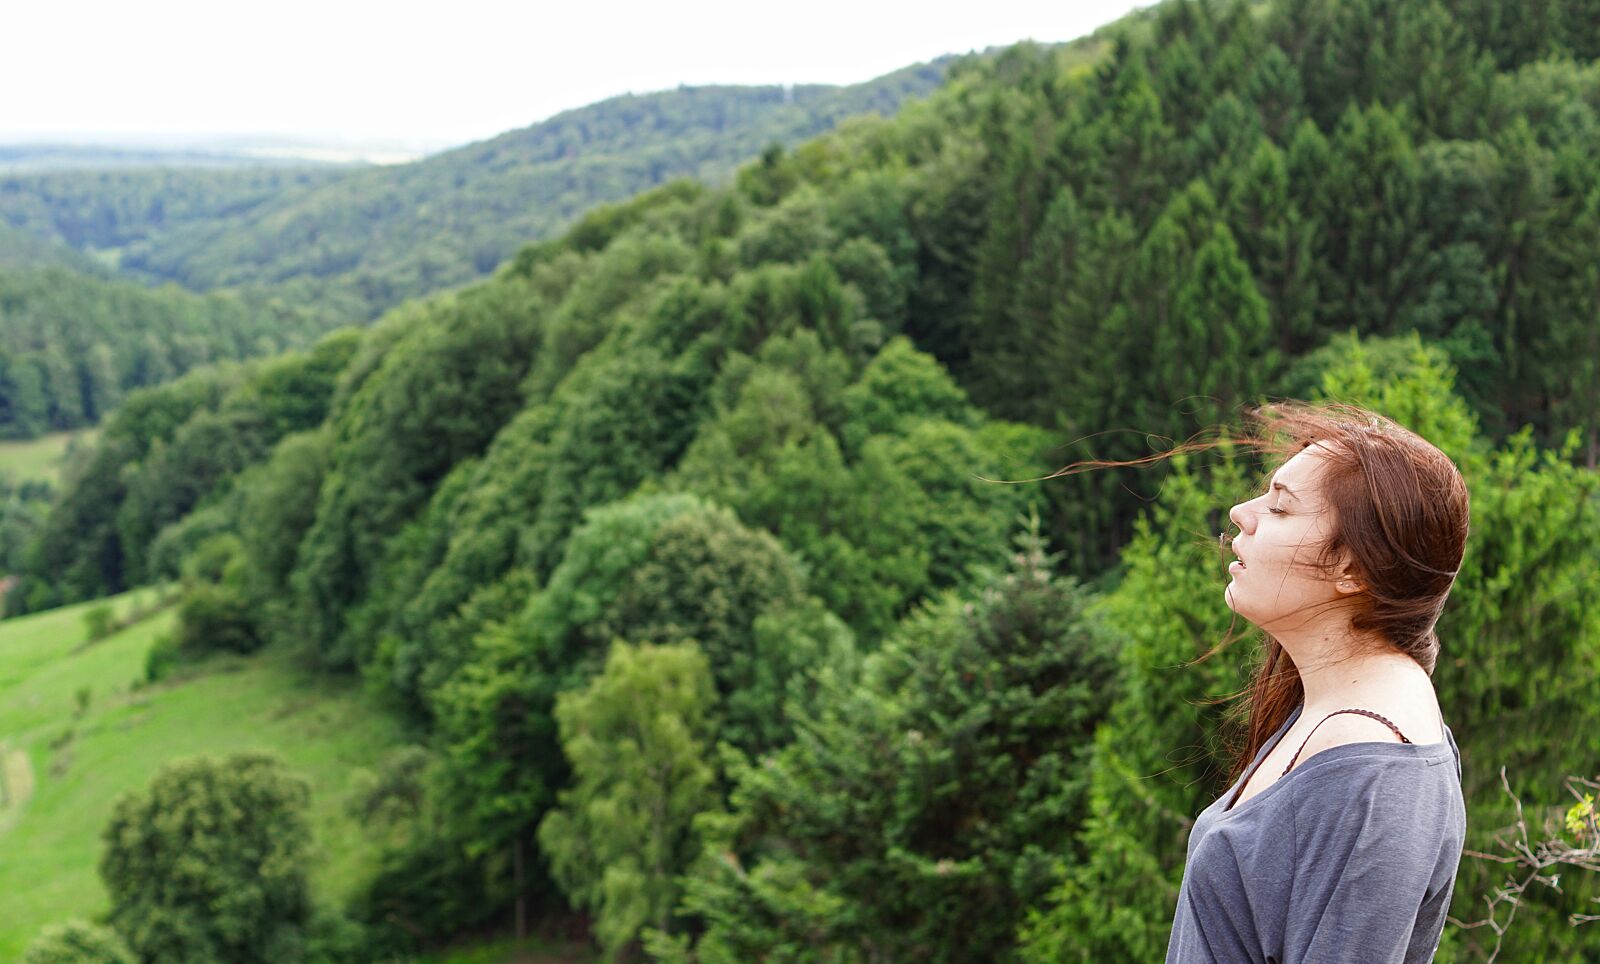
(1227, 597)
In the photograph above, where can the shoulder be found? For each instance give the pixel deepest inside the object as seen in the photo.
(1369, 784)
(1342, 729)
(1377, 808)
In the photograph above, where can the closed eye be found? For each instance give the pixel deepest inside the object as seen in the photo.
(1275, 510)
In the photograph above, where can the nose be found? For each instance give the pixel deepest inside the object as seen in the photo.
(1240, 516)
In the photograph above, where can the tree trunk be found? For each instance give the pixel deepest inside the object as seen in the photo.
(521, 888)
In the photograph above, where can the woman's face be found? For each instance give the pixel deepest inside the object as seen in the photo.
(1279, 544)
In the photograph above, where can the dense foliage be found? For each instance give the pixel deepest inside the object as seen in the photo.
(23, 507)
(639, 738)
(165, 452)
(78, 942)
(209, 863)
(921, 809)
(106, 208)
(73, 345)
(753, 444)
(23, 249)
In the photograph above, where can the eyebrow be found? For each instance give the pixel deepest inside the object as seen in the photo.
(1280, 485)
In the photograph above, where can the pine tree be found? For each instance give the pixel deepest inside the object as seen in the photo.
(1278, 243)
(1136, 147)
(918, 812)
(1152, 769)
(1569, 350)
(1219, 321)
(1016, 211)
(1273, 87)
(1437, 72)
(1369, 207)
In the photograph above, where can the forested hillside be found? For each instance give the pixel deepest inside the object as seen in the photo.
(679, 544)
(302, 250)
(74, 343)
(354, 242)
(108, 209)
(21, 249)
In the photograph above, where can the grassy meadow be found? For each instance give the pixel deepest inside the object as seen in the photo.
(65, 770)
(40, 458)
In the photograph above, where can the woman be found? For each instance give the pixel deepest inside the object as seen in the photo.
(1340, 839)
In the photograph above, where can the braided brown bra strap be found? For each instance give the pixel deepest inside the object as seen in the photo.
(1376, 716)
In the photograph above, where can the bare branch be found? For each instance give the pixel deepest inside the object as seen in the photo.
(1580, 820)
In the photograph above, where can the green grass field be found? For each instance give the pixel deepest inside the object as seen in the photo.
(50, 841)
(39, 458)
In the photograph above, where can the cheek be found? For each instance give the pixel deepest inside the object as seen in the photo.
(1303, 554)
(1293, 549)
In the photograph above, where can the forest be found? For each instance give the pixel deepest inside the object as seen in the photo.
(339, 245)
(683, 545)
(297, 251)
(74, 344)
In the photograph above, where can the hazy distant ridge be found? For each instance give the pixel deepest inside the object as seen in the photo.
(357, 241)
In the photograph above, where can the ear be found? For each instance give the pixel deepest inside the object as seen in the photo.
(1348, 582)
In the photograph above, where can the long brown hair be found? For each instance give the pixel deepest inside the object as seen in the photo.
(1400, 510)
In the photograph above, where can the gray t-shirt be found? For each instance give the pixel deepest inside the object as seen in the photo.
(1351, 856)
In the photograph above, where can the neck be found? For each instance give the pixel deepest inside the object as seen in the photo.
(1332, 677)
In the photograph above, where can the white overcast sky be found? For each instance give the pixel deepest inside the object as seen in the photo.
(437, 74)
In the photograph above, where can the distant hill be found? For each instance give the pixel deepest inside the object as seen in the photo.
(299, 250)
(24, 249)
(73, 343)
(366, 239)
(60, 156)
(106, 209)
